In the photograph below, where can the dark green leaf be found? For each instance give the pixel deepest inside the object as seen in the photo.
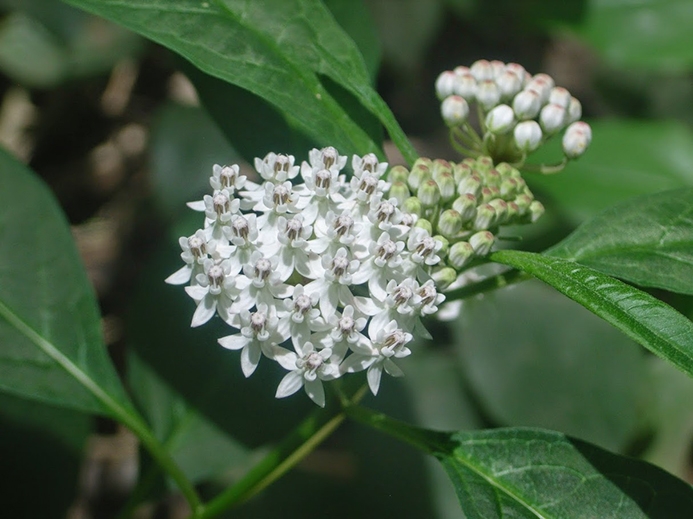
(535, 358)
(532, 473)
(277, 49)
(626, 158)
(198, 446)
(50, 333)
(41, 449)
(649, 321)
(651, 33)
(647, 240)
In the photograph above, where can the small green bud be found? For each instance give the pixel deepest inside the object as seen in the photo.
(501, 208)
(446, 184)
(429, 193)
(424, 224)
(465, 205)
(412, 205)
(460, 171)
(444, 277)
(485, 217)
(450, 223)
(508, 188)
(419, 173)
(513, 212)
(400, 191)
(398, 174)
(470, 185)
(523, 202)
(484, 164)
(423, 161)
(486, 194)
(454, 110)
(460, 254)
(536, 209)
(492, 177)
(505, 170)
(440, 167)
(482, 242)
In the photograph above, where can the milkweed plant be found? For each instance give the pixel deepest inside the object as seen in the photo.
(334, 269)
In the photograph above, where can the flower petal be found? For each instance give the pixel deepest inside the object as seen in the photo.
(373, 375)
(205, 310)
(250, 357)
(234, 342)
(291, 383)
(180, 276)
(315, 391)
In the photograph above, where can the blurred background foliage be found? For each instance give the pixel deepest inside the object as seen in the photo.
(125, 133)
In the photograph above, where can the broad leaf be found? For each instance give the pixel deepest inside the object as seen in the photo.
(647, 320)
(50, 333)
(535, 358)
(277, 49)
(647, 240)
(533, 473)
(627, 158)
(654, 34)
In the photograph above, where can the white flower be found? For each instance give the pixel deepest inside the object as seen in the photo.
(258, 336)
(227, 178)
(216, 291)
(307, 369)
(195, 251)
(389, 343)
(276, 169)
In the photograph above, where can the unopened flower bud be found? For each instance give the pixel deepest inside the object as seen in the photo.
(513, 212)
(465, 86)
(559, 96)
(527, 136)
(492, 177)
(454, 110)
(487, 94)
(536, 209)
(398, 174)
(413, 205)
(400, 191)
(482, 70)
(576, 139)
(439, 167)
(518, 70)
(460, 254)
(470, 185)
(542, 85)
(424, 224)
(444, 245)
(509, 84)
(418, 174)
(574, 111)
(429, 193)
(460, 171)
(484, 164)
(444, 277)
(506, 170)
(485, 216)
(526, 105)
(500, 120)
(450, 223)
(445, 84)
(509, 188)
(482, 242)
(446, 184)
(465, 205)
(523, 202)
(501, 208)
(487, 194)
(552, 118)
(497, 68)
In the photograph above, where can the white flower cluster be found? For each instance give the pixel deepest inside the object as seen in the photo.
(326, 276)
(517, 111)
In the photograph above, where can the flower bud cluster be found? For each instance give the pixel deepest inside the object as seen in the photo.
(324, 275)
(517, 111)
(463, 205)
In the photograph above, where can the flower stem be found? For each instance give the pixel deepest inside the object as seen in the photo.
(498, 281)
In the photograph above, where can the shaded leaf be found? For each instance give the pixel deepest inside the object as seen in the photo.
(535, 358)
(647, 320)
(50, 333)
(647, 240)
(653, 34)
(277, 49)
(533, 473)
(626, 159)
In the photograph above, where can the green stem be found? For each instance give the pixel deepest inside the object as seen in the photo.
(460, 148)
(292, 449)
(546, 169)
(498, 281)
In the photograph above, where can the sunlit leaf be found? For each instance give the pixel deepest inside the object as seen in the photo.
(647, 240)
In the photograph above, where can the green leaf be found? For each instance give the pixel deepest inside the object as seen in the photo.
(277, 49)
(647, 240)
(647, 320)
(535, 358)
(199, 448)
(533, 473)
(626, 158)
(50, 332)
(653, 34)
